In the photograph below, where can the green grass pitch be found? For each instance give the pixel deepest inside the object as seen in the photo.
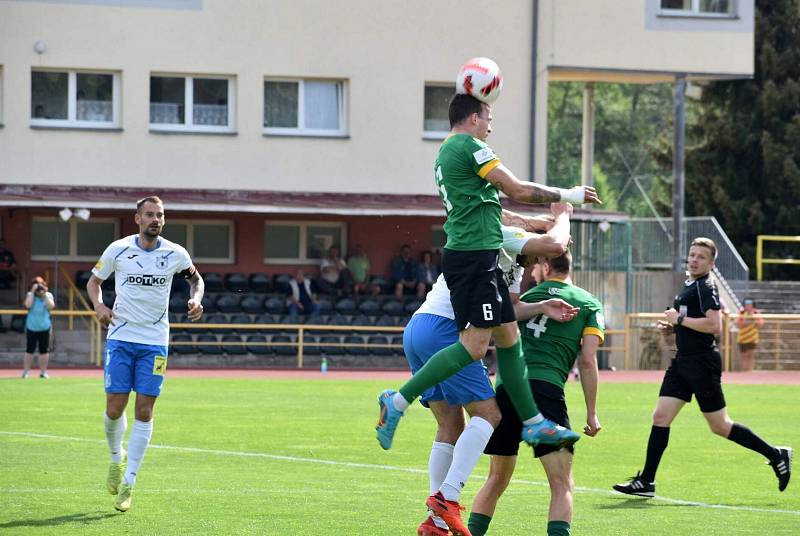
(286, 457)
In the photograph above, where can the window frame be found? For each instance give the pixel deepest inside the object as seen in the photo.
(73, 238)
(434, 134)
(188, 104)
(301, 130)
(303, 245)
(72, 101)
(694, 11)
(189, 245)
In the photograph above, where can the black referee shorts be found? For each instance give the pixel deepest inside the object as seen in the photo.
(37, 338)
(699, 375)
(507, 436)
(478, 291)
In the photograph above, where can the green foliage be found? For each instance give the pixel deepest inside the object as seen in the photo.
(745, 165)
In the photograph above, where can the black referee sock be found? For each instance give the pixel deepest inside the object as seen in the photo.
(745, 437)
(656, 445)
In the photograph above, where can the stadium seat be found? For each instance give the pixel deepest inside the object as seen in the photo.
(255, 348)
(81, 278)
(177, 304)
(325, 306)
(313, 319)
(380, 282)
(361, 320)
(183, 349)
(236, 282)
(412, 306)
(180, 286)
(397, 340)
(338, 320)
(402, 321)
(385, 320)
(108, 298)
(233, 349)
(241, 318)
(18, 323)
(379, 339)
(346, 306)
(275, 305)
(284, 350)
(208, 304)
(355, 350)
(208, 344)
(213, 282)
(392, 307)
(369, 307)
(229, 303)
(331, 350)
(253, 304)
(260, 282)
(280, 283)
(216, 318)
(310, 350)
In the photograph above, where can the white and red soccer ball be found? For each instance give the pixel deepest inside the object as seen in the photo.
(481, 78)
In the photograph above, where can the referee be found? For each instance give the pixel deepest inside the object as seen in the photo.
(696, 370)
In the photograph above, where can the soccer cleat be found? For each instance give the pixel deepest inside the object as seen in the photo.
(549, 433)
(636, 485)
(450, 512)
(429, 528)
(388, 419)
(123, 499)
(115, 472)
(25, 374)
(44, 374)
(783, 466)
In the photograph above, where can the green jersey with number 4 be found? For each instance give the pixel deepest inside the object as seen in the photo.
(472, 203)
(550, 347)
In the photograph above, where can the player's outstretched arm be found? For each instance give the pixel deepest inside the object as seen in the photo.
(197, 288)
(553, 243)
(103, 313)
(554, 308)
(587, 363)
(532, 224)
(531, 192)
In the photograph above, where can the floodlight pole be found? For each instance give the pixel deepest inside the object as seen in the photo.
(679, 176)
(587, 152)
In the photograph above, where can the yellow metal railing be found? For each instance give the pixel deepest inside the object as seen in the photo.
(761, 260)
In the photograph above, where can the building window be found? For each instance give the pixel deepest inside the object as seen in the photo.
(294, 242)
(191, 103)
(304, 107)
(720, 8)
(208, 242)
(436, 122)
(74, 240)
(74, 99)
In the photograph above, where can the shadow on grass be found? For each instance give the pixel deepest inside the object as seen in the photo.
(632, 504)
(55, 521)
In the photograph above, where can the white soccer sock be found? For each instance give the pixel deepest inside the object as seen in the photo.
(137, 444)
(466, 453)
(536, 419)
(115, 432)
(439, 463)
(400, 403)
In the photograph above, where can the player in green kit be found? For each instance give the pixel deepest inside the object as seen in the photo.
(469, 177)
(549, 348)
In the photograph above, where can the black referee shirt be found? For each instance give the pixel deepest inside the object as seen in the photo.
(697, 297)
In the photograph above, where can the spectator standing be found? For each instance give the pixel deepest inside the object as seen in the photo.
(38, 302)
(302, 300)
(8, 266)
(749, 321)
(404, 273)
(427, 272)
(334, 277)
(360, 267)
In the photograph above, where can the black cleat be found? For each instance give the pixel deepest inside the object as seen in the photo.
(782, 466)
(638, 486)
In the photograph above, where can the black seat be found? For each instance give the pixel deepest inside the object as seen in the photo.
(346, 306)
(280, 283)
(177, 304)
(331, 350)
(338, 320)
(18, 323)
(267, 319)
(208, 304)
(208, 344)
(229, 303)
(81, 278)
(325, 306)
(255, 348)
(312, 349)
(385, 320)
(233, 349)
(392, 307)
(379, 339)
(180, 286)
(275, 305)
(252, 304)
(217, 318)
(360, 320)
(260, 282)
(213, 282)
(412, 306)
(369, 307)
(355, 350)
(398, 341)
(181, 348)
(283, 350)
(236, 282)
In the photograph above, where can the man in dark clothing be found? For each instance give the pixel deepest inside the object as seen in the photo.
(404, 273)
(8, 267)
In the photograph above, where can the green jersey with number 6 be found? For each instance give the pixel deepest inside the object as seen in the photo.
(472, 203)
(550, 347)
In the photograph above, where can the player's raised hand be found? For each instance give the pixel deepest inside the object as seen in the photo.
(593, 426)
(590, 195)
(195, 310)
(559, 310)
(104, 315)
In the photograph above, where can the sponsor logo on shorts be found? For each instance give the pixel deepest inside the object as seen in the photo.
(146, 280)
(160, 365)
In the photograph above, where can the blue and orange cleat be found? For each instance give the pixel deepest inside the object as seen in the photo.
(549, 433)
(388, 419)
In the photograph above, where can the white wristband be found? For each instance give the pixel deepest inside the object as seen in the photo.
(574, 195)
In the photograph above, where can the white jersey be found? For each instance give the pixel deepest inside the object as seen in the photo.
(142, 282)
(437, 302)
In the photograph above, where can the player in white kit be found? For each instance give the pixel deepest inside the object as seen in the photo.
(138, 334)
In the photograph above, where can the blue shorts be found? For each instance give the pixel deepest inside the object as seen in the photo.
(425, 335)
(133, 366)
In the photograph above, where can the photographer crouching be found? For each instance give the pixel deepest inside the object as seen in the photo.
(38, 302)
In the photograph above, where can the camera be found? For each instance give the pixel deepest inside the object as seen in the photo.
(39, 288)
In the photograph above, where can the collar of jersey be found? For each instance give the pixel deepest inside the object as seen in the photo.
(136, 241)
(556, 280)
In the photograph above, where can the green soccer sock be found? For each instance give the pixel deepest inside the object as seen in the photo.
(439, 367)
(511, 366)
(478, 524)
(558, 528)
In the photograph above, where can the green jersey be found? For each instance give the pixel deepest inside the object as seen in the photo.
(550, 347)
(472, 203)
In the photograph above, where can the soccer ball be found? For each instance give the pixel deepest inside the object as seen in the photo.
(481, 78)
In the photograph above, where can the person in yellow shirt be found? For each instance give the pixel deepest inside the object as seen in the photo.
(749, 321)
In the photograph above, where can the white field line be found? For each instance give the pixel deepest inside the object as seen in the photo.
(392, 468)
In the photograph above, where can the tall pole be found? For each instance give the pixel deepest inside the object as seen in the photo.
(679, 175)
(587, 148)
